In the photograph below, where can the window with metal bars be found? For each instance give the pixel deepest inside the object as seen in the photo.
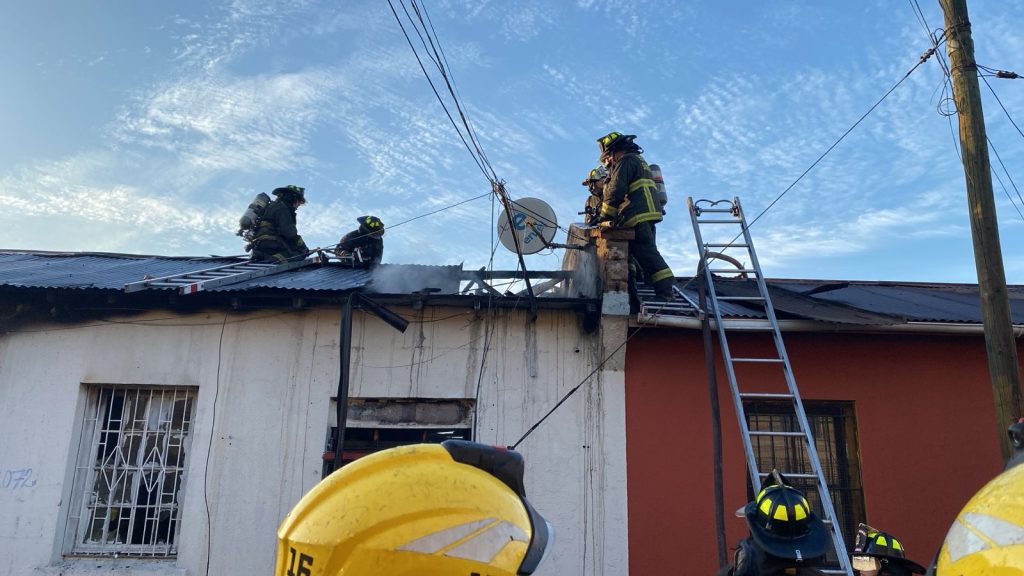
(834, 427)
(133, 453)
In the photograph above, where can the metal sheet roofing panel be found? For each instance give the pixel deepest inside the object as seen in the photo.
(112, 271)
(385, 278)
(91, 271)
(917, 302)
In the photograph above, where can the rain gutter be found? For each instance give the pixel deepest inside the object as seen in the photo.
(692, 323)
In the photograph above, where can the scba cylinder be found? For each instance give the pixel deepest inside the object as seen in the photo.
(660, 195)
(252, 213)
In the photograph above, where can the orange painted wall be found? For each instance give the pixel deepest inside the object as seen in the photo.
(925, 417)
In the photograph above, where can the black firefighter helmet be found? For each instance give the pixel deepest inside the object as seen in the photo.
(782, 523)
(886, 550)
(371, 225)
(291, 191)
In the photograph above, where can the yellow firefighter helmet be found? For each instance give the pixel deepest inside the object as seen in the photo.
(456, 508)
(987, 537)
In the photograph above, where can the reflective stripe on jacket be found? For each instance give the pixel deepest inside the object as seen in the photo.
(629, 195)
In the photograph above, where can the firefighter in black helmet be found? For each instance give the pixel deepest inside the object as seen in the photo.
(786, 536)
(629, 201)
(364, 245)
(877, 553)
(276, 238)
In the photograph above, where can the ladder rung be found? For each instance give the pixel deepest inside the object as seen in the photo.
(717, 210)
(772, 433)
(742, 298)
(759, 360)
(799, 475)
(765, 396)
(732, 270)
(209, 276)
(716, 221)
(751, 328)
(720, 245)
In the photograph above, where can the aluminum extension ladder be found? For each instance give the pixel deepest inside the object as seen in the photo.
(725, 214)
(199, 280)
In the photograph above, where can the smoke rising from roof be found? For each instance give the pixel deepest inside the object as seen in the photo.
(407, 279)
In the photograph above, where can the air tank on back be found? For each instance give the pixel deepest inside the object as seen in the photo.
(249, 217)
(660, 195)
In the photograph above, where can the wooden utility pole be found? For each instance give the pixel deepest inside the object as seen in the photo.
(988, 257)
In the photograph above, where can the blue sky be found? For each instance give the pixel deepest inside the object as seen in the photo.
(147, 127)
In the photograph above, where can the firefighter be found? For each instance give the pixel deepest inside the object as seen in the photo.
(456, 508)
(629, 201)
(877, 553)
(364, 245)
(594, 182)
(276, 238)
(987, 536)
(786, 536)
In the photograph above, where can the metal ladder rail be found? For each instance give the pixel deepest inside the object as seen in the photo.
(737, 401)
(199, 280)
(783, 359)
(823, 492)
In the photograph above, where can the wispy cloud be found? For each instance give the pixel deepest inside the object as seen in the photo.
(220, 123)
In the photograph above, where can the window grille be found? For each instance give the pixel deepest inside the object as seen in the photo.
(130, 469)
(834, 427)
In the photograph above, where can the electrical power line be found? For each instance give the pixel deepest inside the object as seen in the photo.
(1005, 111)
(923, 58)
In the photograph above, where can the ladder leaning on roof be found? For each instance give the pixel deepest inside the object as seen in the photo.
(723, 213)
(199, 280)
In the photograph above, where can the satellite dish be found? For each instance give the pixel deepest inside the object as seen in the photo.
(533, 223)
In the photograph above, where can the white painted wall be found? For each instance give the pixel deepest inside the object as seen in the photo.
(265, 380)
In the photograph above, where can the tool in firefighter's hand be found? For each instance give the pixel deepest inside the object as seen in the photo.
(353, 258)
(428, 509)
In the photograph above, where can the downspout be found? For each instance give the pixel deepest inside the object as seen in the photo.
(716, 424)
(345, 361)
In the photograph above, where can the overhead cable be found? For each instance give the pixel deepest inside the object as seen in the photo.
(1005, 111)
(923, 58)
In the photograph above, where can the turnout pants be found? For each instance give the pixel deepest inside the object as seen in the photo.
(644, 250)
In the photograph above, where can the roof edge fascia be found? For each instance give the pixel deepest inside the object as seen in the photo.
(740, 325)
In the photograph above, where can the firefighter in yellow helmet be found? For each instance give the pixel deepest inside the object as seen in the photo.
(629, 201)
(786, 536)
(594, 182)
(456, 508)
(877, 553)
(987, 537)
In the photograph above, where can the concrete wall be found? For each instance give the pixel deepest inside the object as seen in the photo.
(926, 426)
(264, 384)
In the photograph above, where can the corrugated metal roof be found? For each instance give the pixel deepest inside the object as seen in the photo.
(916, 301)
(87, 271)
(861, 302)
(854, 302)
(386, 278)
(91, 271)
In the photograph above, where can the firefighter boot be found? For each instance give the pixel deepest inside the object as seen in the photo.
(665, 289)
